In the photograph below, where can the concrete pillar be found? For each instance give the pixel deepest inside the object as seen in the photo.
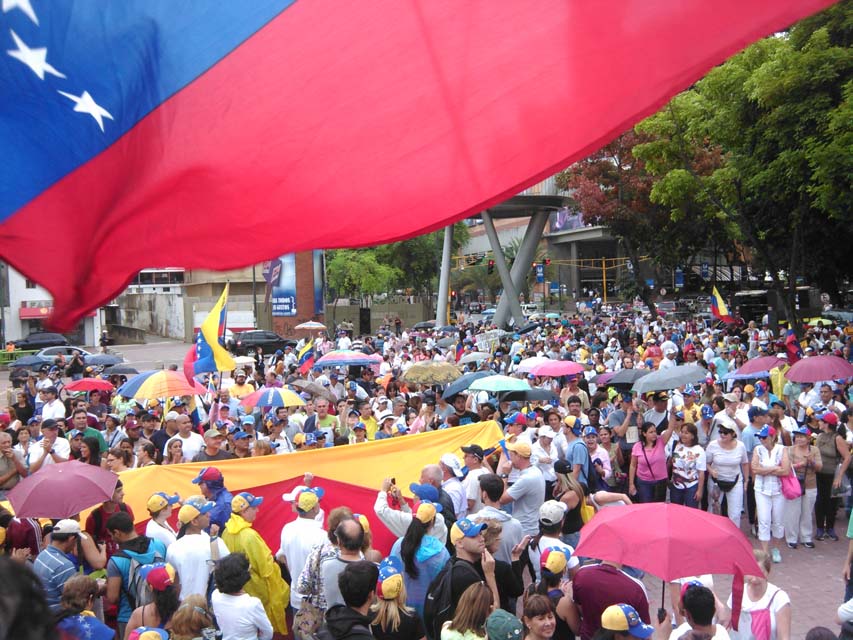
(523, 261)
(441, 317)
(510, 292)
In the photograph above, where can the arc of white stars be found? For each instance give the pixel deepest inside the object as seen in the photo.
(35, 58)
(84, 103)
(23, 5)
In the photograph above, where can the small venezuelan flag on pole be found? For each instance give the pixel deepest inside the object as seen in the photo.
(719, 308)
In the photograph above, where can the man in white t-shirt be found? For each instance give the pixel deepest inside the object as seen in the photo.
(53, 407)
(191, 441)
(299, 536)
(451, 482)
(473, 456)
(192, 552)
(51, 449)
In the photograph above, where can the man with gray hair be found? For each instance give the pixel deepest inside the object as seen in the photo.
(12, 467)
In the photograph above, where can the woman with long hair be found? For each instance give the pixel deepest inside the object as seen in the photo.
(146, 454)
(192, 618)
(22, 409)
(468, 623)
(769, 463)
(175, 452)
(27, 447)
(392, 619)
(835, 454)
(539, 619)
(647, 476)
(166, 591)
(806, 463)
(616, 480)
(688, 468)
(90, 451)
(421, 554)
(76, 619)
(119, 459)
(571, 493)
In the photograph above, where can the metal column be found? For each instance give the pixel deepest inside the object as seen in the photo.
(521, 266)
(510, 292)
(441, 316)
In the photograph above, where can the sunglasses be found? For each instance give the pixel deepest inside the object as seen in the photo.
(726, 432)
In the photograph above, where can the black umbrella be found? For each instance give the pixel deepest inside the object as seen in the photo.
(120, 369)
(31, 361)
(426, 324)
(530, 326)
(103, 360)
(459, 385)
(527, 395)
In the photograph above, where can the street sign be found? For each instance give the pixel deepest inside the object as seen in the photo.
(679, 278)
(555, 286)
(663, 292)
(706, 272)
(540, 272)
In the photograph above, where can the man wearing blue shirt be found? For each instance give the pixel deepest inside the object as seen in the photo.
(52, 565)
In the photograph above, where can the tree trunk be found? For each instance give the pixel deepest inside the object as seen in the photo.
(644, 291)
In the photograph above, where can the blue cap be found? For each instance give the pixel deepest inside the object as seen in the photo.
(802, 430)
(466, 528)
(75, 432)
(359, 425)
(755, 412)
(402, 428)
(240, 435)
(766, 431)
(247, 420)
(707, 412)
(310, 438)
(390, 566)
(589, 431)
(424, 491)
(244, 500)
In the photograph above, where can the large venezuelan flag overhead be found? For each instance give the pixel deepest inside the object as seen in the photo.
(219, 134)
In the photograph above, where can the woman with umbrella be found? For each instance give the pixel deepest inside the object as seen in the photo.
(647, 476)
(769, 463)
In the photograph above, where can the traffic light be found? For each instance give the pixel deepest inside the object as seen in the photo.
(453, 294)
(491, 268)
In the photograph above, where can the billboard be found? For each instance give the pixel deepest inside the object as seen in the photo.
(281, 285)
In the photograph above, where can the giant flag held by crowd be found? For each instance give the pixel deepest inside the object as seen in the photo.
(208, 355)
(191, 130)
(718, 307)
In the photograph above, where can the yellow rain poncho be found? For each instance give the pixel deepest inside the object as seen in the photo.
(266, 583)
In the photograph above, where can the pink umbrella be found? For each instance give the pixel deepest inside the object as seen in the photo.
(62, 490)
(819, 368)
(90, 384)
(557, 368)
(764, 363)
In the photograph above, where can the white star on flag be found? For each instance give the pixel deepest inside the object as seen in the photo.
(35, 59)
(23, 5)
(84, 103)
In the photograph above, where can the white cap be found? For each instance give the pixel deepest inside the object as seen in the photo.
(452, 462)
(66, 526)
(547, 432)
(172, 415)
(383, 416)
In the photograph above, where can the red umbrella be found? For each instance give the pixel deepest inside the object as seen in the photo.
(670, 542)
(764, 363)
(62, 490)
(90, 384)
(819, 368)
(556, 368)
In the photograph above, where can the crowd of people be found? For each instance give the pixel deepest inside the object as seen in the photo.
(486, 549)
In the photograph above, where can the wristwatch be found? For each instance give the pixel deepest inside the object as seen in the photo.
(504, 476)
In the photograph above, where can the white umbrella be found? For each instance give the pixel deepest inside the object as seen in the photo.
(526, 365)
(474, 356)
(311, 326)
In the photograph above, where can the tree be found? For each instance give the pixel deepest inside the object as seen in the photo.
(358, 273)
(612, 188)
(780, 112)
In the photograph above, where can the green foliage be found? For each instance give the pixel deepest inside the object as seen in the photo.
(357, 273)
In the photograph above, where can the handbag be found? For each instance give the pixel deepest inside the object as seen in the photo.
(728, 485)
(843, 490)
(791, 488)
(659, 490)
(309, 618)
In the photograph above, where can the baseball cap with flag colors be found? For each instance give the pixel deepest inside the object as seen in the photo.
(148, 633)
(244, 500)
(194, 506)
(464, 528)
(554, 560)
(427, 510)
(390, 581)
(208, 474)
(159, 575)
(161, 500)
(623, 617)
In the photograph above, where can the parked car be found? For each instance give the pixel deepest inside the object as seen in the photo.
(67, 351)
(40, 340)
(246, 343)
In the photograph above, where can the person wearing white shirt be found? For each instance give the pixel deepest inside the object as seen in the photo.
(51, 448)
(191, 442)
(238, 615)
(473, 456)
(53, 407)
(545, 452)
(160, 507)
(192, 552)
(300, 535)
(452, 470)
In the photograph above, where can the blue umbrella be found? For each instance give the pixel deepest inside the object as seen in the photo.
(102, 360)
(459, 385)
(734, 375)
(31, 361)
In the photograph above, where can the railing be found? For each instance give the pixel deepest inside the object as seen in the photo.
(10, 356)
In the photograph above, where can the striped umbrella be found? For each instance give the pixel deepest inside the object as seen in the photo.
(311, 326)
(273, 397)
(159, 384)
(345, 358)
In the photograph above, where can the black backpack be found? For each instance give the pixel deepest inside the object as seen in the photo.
(439, 604)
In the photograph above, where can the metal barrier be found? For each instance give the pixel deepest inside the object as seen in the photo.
(10, 356)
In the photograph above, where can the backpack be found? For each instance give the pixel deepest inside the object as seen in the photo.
(136, 589)
(439, 604)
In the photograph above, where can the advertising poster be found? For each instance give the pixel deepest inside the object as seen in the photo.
(283, 288)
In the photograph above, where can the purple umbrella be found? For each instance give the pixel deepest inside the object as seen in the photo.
(62, 490)
(819, 368)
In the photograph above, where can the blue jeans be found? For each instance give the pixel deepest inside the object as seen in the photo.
(646, 491)
(686, 497)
